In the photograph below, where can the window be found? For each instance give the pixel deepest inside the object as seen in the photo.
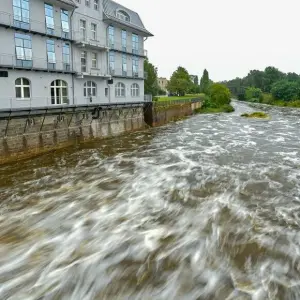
(120, 89)
(106, 92)
(21, 13)
(122, 15)
(135, 90)
(135, 44)
(112, 62)
(59, 92)
(124, 40)
(51, 54)
(64, 14)
(83, 61)
(94, 60)
(49, 18)
(124, 64)
(96, 4)
(83, 29)
(22, 88)
(135, 66)
(23, 50)
(94, 31)
(66, 56)
(90, 89)
(111, 36)
(87, 3)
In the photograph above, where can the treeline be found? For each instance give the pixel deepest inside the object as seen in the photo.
(270, 86)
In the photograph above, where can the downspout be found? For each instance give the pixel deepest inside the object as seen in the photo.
(108, 66)
(72, 53)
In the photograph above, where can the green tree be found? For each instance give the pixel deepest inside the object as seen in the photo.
(286, 90)
(204, 82)
(151, 81)
(271, 76)
(253, 94)
(218, 95)
(180, 82)
(292, 77)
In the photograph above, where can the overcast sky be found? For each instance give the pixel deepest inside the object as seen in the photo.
(228, 37)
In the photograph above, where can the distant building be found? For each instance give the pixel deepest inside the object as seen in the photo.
(162, 83)
(194, 79)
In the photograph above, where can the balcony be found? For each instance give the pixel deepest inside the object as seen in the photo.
(91, 73)
(119, 73)
(119, 47)
(84, 41)
(33, 26)
(8, 61)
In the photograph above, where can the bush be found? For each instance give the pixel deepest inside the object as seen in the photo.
(257, 114)
(267, 98)
(219, 95)
(286, 90)
(253, 94)
(228, 108)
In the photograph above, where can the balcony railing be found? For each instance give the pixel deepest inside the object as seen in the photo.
(85, 39)
(128, 73)
(14, 62)
(118, 46)
(31, 25)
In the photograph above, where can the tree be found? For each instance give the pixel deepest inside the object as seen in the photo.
(292, 77)
(204, 82)
(253, 94)
(219, 95)
(286, 90)
(271, 76)
(151, 81)
(180, 82)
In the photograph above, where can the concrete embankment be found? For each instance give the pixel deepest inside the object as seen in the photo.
(29, 132)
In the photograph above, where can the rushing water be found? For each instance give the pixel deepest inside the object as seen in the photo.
(206, 208)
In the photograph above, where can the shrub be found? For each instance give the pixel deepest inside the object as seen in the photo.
(228, 108)
(219, 95)
(286, 90)
(253, 94)
(267, 98)
(257, 114)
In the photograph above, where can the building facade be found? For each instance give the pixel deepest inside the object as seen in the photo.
(162, 83)
(60, 52)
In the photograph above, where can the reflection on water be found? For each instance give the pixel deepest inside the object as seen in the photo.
(207, 208)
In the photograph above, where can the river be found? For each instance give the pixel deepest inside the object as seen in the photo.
(205, 208)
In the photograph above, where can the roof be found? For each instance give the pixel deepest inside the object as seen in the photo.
(111, 7)
(69, 2)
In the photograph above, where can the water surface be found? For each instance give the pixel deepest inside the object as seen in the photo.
(206, 208)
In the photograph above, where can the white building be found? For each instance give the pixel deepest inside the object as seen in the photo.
(63, 52)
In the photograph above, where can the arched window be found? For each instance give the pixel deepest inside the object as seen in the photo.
(22, 88)
(59, 92)
(90, 89)
(122, 15)
(135, 90)
(120, 89)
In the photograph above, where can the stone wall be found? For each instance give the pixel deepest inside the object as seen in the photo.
(28, 132)
(160, 113)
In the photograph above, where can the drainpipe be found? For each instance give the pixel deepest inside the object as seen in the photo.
(108, 67)
(72, 54)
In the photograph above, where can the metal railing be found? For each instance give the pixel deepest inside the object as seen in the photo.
(34, 26)
(128, 49)
(56, 102)
(88, 40)
(31, 63)
(128, 73)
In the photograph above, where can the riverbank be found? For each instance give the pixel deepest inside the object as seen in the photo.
(139, 215)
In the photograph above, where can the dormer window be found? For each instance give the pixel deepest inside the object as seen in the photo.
(122, 15)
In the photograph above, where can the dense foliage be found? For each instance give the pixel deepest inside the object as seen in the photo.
(151, 82)
(204, 82)
(180, 82)
(266, 86)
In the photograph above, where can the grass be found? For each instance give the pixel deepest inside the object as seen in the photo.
(172, 98)
(213, 110)
(257, 115)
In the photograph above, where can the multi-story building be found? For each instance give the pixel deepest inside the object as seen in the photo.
(59, 52)
(162, 83)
